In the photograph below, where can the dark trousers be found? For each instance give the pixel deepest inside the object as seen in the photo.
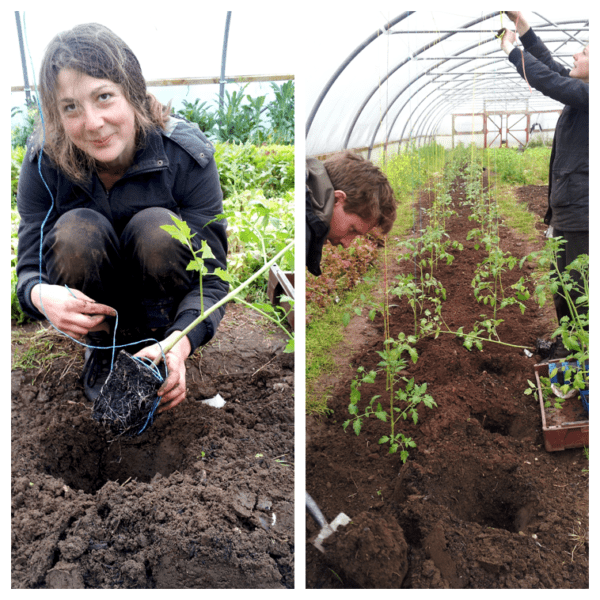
(141, 272)
(577, 242)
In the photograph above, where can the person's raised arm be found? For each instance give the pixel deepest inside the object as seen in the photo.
(516, 16)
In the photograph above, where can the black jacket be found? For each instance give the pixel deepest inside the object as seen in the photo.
(568, 185)
(319, 209)
(175, 170)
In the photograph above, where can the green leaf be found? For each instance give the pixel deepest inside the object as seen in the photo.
(370, 377)
(428, 401)
(176, 233)
(206, 250)
(224, 275)
(249, 237)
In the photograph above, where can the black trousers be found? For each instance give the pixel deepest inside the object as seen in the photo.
(577, 242)
(141, 272)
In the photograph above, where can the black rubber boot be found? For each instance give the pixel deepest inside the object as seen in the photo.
(97, 363)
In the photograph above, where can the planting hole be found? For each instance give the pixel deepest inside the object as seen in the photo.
(494, 425)
(500, 501)
(492, 366)
(483, 491)
(506, 425)
(86, 461)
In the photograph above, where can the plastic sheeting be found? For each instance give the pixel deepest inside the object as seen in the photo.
(172, 46)
(378, 78)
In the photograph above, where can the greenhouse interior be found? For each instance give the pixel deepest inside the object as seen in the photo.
(447, 382)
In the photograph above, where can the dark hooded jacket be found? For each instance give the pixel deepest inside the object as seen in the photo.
(568, 186)
(319, 210)
(174, 170)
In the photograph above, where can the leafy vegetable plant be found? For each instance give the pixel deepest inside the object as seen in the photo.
(573, 285)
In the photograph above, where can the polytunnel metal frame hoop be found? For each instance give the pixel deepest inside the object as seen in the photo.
(448, 82)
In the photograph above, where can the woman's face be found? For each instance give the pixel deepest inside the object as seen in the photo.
(97, 118)
(581, 66)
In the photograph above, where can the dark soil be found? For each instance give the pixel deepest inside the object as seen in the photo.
(480, 502)
(203, 498)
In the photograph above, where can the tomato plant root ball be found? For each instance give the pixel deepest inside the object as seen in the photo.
(126, 403)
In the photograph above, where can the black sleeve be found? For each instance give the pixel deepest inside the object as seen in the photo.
(200, 198)
(34, 201)
(536, 65)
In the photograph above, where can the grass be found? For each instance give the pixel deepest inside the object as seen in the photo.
(519, 168)
(323, 334)
(515, 214)
(579, 537)
(510, 168)
(32, 350)
(404, 217)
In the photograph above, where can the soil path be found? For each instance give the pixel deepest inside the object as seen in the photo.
(202, 499)
(480, 503)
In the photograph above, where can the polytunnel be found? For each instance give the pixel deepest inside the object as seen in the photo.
(416, 76)
(445, 291)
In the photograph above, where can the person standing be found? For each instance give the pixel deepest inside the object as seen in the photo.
(568, 184)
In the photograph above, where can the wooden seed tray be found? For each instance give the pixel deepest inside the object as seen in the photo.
(566, 428)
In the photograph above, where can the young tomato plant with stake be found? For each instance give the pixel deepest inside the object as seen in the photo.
(403, 403)
(181, 231)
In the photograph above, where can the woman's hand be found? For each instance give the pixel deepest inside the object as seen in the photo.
(173, 390)
(70, 311)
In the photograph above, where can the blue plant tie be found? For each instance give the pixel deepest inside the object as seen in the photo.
(156, 372)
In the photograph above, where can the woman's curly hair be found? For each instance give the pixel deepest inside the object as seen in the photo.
(92, 49)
